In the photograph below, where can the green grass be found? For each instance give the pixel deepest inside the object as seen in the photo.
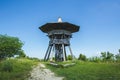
(16, 69)
(89, 71)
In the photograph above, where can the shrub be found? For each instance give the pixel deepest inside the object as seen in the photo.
(82, 57)
(95, 59)
(7, 66)
(69, 57)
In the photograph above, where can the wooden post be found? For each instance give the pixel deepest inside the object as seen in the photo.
(63, 51)
(53, 52)
(46, 53)
(70, 51)
(49, 53)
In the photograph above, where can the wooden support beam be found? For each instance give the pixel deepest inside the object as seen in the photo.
(46, 53)
(71, 51)
(63, 47)
(65, 54)
(49, 53)
(53, 52)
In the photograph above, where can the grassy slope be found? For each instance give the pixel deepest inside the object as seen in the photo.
(90, 71)
(20, 69)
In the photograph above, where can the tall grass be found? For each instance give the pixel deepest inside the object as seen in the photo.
(89, 71)
(15, 69)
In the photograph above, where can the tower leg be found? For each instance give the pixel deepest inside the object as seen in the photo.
(53, 52)
(65, 54)
(46, 53)
(63, 47)
(71, 52)
(49, 53)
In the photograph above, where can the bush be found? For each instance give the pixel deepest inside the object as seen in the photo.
(33, 58)
(7, 66)
(82, 57)
(69, 57)
(95, 59)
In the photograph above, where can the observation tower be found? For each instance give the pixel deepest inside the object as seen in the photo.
(59, 34)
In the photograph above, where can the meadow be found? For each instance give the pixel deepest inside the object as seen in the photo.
(89, 71)
(16, 69)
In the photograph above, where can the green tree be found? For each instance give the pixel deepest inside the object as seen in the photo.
(9, 46)
(69, 57)
(82, 57)
(107, 56)
(119, 51)
(110, 56)
(117, 56)
(103, 55)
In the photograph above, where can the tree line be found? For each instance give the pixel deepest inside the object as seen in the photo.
(104, 57)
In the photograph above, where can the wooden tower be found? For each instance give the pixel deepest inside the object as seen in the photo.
(59, 34)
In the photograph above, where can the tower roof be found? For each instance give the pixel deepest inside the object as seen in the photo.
(59, 26)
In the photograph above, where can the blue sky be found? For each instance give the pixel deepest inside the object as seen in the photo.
(99, 22)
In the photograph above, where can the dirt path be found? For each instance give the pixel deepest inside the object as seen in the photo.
(41, 73)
